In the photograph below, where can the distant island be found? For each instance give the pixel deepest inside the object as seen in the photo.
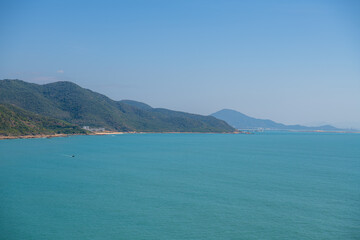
(66, 108)
(239, 120)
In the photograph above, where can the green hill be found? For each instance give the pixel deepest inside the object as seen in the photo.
(15, 121)
(72, 103)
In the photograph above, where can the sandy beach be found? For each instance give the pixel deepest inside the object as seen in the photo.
(108, 133)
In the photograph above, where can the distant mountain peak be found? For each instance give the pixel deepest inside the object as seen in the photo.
(241, 121)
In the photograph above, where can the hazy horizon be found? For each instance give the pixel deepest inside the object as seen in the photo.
(293, 63)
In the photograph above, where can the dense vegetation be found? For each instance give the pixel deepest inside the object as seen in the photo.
(15, 121)
(69, 102)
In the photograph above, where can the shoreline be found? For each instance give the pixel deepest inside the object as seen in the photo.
(96, 134)
(117, 133)
(37, 136)
(107, 133)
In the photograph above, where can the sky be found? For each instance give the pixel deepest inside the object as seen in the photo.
(294, 62)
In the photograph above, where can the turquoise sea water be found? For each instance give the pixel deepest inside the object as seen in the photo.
(181, 186)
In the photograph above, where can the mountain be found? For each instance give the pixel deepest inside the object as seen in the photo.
(241, 121)
(137, 104)
(15, 121)
(74, 104)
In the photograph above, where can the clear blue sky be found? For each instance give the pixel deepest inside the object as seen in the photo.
(290, 61)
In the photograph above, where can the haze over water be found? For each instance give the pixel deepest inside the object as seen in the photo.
(181, 186)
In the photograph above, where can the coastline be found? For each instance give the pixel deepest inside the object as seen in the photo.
(107, 133)
(36, 136)
(94, 134)
(116, 133)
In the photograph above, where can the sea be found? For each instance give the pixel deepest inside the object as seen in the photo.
(271, 185)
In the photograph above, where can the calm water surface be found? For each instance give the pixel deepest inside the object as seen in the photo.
(181, 186)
